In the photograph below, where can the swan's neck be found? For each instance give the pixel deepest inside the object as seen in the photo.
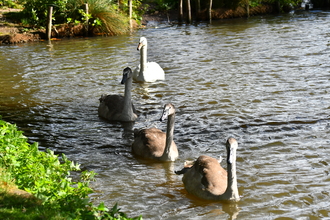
(127, 109)
(169, 135)
(143, 59)
(232, 190)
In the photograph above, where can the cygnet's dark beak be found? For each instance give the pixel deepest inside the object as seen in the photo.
(123, 80)
(164, 115)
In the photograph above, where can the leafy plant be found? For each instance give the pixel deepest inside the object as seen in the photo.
(137, 9)
(102, 14)
(47, 177)
(284, 2)
(254, 3)
(164, 5)
(6, 180)
(11, 4)
(36, 11)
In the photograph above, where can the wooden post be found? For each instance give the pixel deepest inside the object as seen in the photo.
(189, 12)
(247, 8)
(279, 6)
(198, 9)
(130, 13)
(49, 22)
(87, 19)
(210, 11)
(180, 11)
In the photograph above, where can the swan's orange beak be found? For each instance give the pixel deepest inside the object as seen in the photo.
(139, 46)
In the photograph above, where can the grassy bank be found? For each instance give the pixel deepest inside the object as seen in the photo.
(37, 185)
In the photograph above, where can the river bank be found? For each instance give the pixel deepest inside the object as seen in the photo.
(12, 32)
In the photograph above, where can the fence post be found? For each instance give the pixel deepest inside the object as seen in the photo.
(189, 12)
(130, 13)
(180, 11)
(49, 22)
(198, 9)
(247, 9)
(87, 19)
(210, 11)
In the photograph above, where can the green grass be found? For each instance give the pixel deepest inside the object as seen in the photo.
(103, 16)
(47, 177)
(17, 207)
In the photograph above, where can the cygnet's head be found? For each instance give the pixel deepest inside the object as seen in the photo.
(127, 73)
(167, 111)
(231, 146)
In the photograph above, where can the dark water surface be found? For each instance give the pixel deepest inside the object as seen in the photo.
(264, 81)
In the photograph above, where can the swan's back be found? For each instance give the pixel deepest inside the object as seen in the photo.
(206, 178)
(152, 73)
(150, 143)
(111, 107)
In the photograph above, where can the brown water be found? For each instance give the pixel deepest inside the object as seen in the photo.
(264, 81)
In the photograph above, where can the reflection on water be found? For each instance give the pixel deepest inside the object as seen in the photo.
(264, 81)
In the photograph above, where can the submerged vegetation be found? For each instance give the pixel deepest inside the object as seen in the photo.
(49, 189)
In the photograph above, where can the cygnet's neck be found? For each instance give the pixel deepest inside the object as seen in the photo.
(169, 136)
(127, 109)
(232, 191)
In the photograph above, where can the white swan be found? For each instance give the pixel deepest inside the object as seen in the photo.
(147, 71)
(154, 144)
(206, 179)
(118, 107)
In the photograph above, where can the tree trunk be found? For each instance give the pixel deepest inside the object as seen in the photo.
(188, 12)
